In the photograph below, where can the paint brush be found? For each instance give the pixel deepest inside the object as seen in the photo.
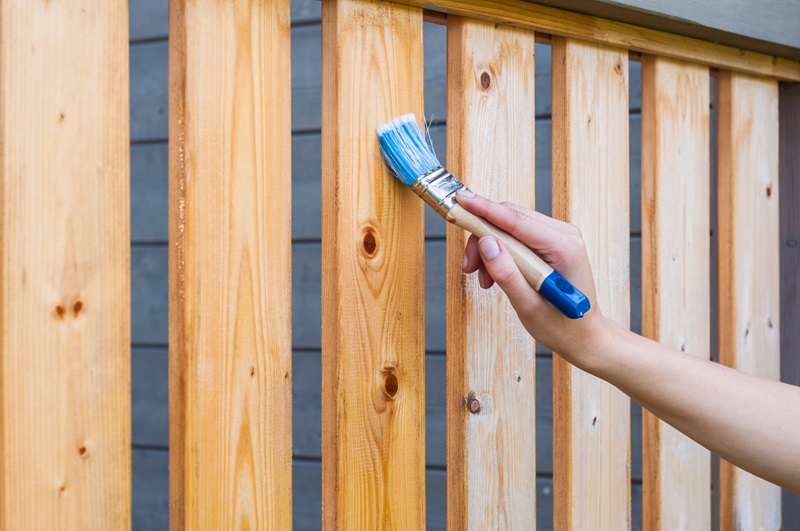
(411, 159)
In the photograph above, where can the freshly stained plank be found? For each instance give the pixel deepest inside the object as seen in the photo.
(373, 392)
(491, 457)
(675, 264)
(749, 268)
(230, 266)
(590, 189)
(65, 424)
(587, 28)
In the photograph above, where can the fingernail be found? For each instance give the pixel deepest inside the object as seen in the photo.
(464, 262)
(489, 248)
(464, 192)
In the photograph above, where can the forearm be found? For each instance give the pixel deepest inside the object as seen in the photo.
(751, 422)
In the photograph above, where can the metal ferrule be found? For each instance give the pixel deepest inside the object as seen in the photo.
(438, 188)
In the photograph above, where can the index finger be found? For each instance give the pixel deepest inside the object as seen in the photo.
(532, 228)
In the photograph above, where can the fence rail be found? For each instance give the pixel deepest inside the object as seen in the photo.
(65, 426)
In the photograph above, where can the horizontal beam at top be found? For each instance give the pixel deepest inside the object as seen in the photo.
(589, 28)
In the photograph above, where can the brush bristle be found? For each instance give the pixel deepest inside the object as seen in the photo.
(405, 150)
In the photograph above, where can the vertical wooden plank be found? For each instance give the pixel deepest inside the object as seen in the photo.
(373, 396)
(230, 265)
(749, 268)
(675, 275)
(491, 458)
(789, 167)
(590, 189)
(65, 430)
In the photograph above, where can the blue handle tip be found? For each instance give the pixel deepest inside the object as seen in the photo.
(564, 296)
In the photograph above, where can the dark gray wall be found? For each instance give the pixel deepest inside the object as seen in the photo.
(148, 26)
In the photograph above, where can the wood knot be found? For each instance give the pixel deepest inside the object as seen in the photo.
(60, 312)
(769, 190)
(77, 307)
(486, 80)
(391, 385)
(369, 241)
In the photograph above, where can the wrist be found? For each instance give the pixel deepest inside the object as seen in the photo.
(596, 347)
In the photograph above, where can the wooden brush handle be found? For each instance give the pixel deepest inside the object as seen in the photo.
(533, 268)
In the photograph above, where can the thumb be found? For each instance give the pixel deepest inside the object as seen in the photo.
(505, 272)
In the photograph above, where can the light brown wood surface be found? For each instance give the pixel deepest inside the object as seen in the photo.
(559, 22)
(65, 428)
(749, 268)
(230, 265)
(373, 396)
(591, 418)
(491, 453)
(675, 275)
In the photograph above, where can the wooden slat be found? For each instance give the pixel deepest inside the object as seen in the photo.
(675, 264)
(64, 266)
(590, 189)
(230, 266)
(373, 443)
(749, 268)
(588, 28)
(491, 456)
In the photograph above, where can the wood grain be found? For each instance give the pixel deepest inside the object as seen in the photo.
(373, 396)
(749, 268)
(590, 189)
(597, 30)
(491, 458)
(230, 265)
(676, 283)
(65, 425)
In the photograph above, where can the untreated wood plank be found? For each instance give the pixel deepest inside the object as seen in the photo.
(65, 425)
(675, 264)
(373, 394)
(592, 29)
(230, 265)
(491, 456)
(590, 189)
(749, 268)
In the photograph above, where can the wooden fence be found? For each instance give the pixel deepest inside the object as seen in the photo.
(65, 429)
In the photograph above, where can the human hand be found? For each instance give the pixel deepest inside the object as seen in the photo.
(560, 245)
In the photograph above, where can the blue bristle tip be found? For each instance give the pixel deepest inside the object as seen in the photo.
(405, 150)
